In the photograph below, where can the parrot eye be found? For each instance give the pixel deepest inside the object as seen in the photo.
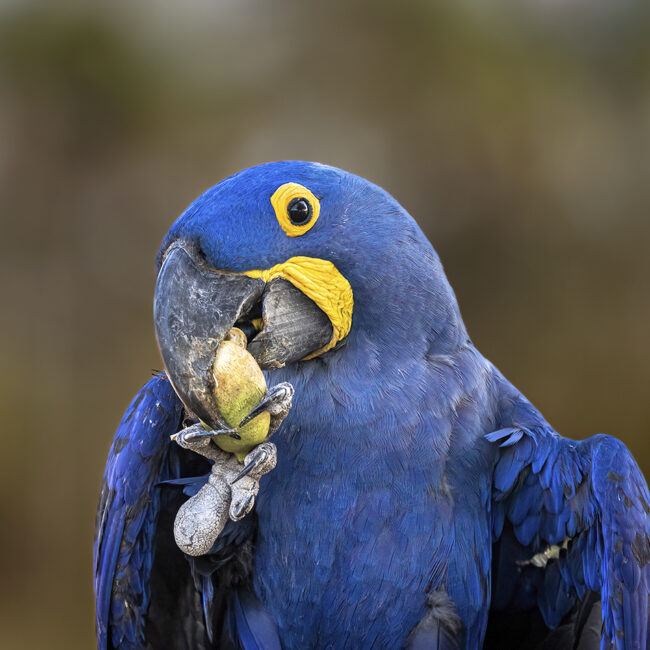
(299, 211)
(296, 208)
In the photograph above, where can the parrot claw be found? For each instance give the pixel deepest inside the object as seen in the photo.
(197, 439)
(247, 470)
(258, 462)
(213, 433)
(277, 402)
(240, 509)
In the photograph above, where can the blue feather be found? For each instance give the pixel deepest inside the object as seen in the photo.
(128, 512)
(255, 628)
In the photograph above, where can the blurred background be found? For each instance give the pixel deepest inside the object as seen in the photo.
(517, 134)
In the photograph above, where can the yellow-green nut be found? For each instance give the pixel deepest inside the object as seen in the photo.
(239, 387)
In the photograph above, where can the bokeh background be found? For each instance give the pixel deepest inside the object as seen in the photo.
(518, 134)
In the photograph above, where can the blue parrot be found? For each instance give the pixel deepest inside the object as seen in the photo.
(419, 499)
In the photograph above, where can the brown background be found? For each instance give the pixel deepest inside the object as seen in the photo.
(518, 136)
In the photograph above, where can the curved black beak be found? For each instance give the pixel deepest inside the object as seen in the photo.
(193, 310)
(195, 307)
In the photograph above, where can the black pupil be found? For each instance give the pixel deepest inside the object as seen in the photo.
(299, 211)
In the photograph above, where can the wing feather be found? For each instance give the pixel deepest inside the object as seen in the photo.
(128, 511)
(590, 500)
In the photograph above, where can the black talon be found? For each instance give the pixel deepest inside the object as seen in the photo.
(250, 467)
(243, 507)
(260, 408)
(198, 435)
(277, 393)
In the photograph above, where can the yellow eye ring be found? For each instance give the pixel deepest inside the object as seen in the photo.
(294, 199)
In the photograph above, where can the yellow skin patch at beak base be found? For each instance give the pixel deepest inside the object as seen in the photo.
(321, 281)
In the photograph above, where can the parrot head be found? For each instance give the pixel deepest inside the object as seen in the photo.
(310, 262)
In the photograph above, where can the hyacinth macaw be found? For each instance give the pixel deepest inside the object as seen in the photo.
(419, 499)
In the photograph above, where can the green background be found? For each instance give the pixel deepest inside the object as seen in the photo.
(518, 136)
